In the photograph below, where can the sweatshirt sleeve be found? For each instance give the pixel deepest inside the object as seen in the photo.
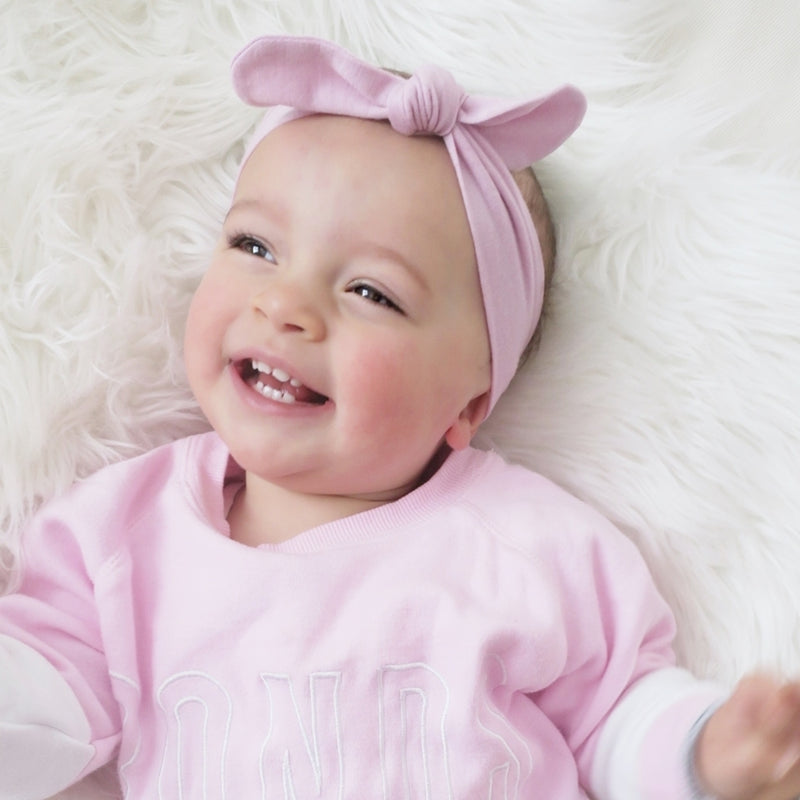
(624, 708)
(56, 701)
(646, 746)
(44, 734)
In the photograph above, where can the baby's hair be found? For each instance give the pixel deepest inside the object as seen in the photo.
(532, 193)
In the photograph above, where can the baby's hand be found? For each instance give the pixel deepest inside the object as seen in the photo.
(750, 747)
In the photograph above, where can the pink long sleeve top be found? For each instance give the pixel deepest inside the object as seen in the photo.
(486, 636)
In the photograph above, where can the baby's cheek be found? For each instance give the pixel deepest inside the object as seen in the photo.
(374, 375)
(198, 329)
(395, 389)
(207, 324)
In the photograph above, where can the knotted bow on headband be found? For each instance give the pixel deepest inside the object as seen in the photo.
(486, 137)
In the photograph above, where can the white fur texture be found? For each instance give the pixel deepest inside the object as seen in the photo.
(667, 387)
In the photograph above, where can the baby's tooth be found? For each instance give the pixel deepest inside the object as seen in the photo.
(294, 382)
(288, 397)
(280, 375)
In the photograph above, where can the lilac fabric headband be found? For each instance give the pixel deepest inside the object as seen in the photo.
(485, 138)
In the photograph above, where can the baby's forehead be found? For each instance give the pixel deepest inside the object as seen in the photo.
(371, 141)
(412, 174)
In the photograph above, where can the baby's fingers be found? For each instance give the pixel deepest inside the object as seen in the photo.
(779, 727)
(780, 742)
(750, 748)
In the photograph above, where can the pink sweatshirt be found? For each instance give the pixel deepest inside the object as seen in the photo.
(486, 636)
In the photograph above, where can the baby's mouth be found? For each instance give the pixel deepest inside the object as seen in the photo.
(275, 384)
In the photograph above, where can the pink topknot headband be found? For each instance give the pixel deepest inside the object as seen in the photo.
(485, 138)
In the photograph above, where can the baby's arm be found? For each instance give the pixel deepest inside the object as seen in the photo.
(750, 747)
(59, 718)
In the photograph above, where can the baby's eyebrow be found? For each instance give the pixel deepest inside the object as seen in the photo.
(239, 204)
(255, 203)
(377, 250)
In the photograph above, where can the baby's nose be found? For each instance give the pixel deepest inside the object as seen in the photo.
(290, 309)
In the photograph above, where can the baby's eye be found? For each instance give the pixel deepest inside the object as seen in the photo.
(251, 246)
(373, 295)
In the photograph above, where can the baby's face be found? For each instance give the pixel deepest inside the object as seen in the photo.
(338, 337)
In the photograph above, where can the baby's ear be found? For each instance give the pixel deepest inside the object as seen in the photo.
(460, 433)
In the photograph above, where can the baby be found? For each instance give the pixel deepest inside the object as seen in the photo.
(332, 595)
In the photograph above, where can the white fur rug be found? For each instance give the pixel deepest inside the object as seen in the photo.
(667, 388)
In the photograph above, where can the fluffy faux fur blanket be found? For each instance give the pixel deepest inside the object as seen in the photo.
(667, 387)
